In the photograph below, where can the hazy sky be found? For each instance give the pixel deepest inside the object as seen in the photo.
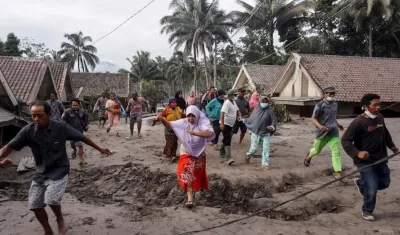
(47, 20)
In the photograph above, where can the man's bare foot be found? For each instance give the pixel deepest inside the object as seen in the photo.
(62, 228)
(140, 135)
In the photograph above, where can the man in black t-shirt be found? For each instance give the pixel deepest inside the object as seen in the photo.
(366, 141)
(47, 138)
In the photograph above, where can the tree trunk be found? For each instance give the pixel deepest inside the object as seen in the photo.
(370, 40)
(195, 69)
(271, 37)
(205, 64)
(79, 69)
(215, 63)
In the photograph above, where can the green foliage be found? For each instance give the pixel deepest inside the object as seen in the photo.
(11, 46)
(34, 50)
(77, 52)
(152, 92)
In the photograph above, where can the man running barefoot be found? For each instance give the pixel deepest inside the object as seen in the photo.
(366, 141)
(135, 105)
(47, 138)
(5, 162)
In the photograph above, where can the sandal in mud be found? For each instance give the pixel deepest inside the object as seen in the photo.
(264, 167)
(337, 176)
(174, 159)
(73, 155)
(247, 159)
(108, 129)
(230, 162)
(307, 162)
(189, 204)
(82, 163)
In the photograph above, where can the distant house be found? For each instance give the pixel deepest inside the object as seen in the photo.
(89, 86)
(263, 77)
(62, 79)
(300, 82)
(28, 79)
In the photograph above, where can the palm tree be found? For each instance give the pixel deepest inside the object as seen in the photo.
(78, 52)
(367, 14)
(194, 24)
(143, 67)
(273, 15)
(180, 71)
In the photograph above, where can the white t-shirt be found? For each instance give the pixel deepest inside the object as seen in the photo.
(230, 113)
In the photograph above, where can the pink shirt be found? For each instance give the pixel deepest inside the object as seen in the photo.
(135, 106)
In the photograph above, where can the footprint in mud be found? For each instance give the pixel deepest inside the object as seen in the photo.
(109, 224)
(88, 221)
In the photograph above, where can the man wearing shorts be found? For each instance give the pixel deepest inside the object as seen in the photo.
(244, 108)
(47, 138)
(76, 118)
(135, 108)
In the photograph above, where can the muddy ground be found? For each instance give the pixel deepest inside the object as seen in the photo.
(134, 191)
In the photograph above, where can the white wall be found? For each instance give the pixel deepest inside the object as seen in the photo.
(300, 85)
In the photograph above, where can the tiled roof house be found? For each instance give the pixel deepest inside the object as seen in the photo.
(8, 120)
(300, 82)
(62, 79)
(29, 79)
(253, 76)
(93, 84)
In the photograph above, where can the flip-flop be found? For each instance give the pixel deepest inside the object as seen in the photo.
(247, 159)
(82, 163)
(108, 130)
(189, 204)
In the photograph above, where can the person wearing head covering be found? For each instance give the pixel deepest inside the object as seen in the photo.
(366, 141)
(193, 132)
(327, 129)
(244, 108)
(229, 114)
(213, 111)
(254, 100)
(192, 99)
(180, 100)
(171, 113)
(100, 107)
(261, 124)
(113, 111)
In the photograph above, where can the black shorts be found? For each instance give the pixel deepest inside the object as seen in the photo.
(239, 125)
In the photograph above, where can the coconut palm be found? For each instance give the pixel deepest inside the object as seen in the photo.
(368, 14)
(143, 67)
(78, 52)
(194, 25)
(273, 15)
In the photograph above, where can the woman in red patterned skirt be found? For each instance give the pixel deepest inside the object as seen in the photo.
(193, 132)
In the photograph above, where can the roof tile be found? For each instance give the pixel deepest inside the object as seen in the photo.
(265, 75)
(355, 76)
(21, 74)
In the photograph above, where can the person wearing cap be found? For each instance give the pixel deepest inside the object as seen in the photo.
(213, 111)
(229, 114)
(135, 107)
(324, 118)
